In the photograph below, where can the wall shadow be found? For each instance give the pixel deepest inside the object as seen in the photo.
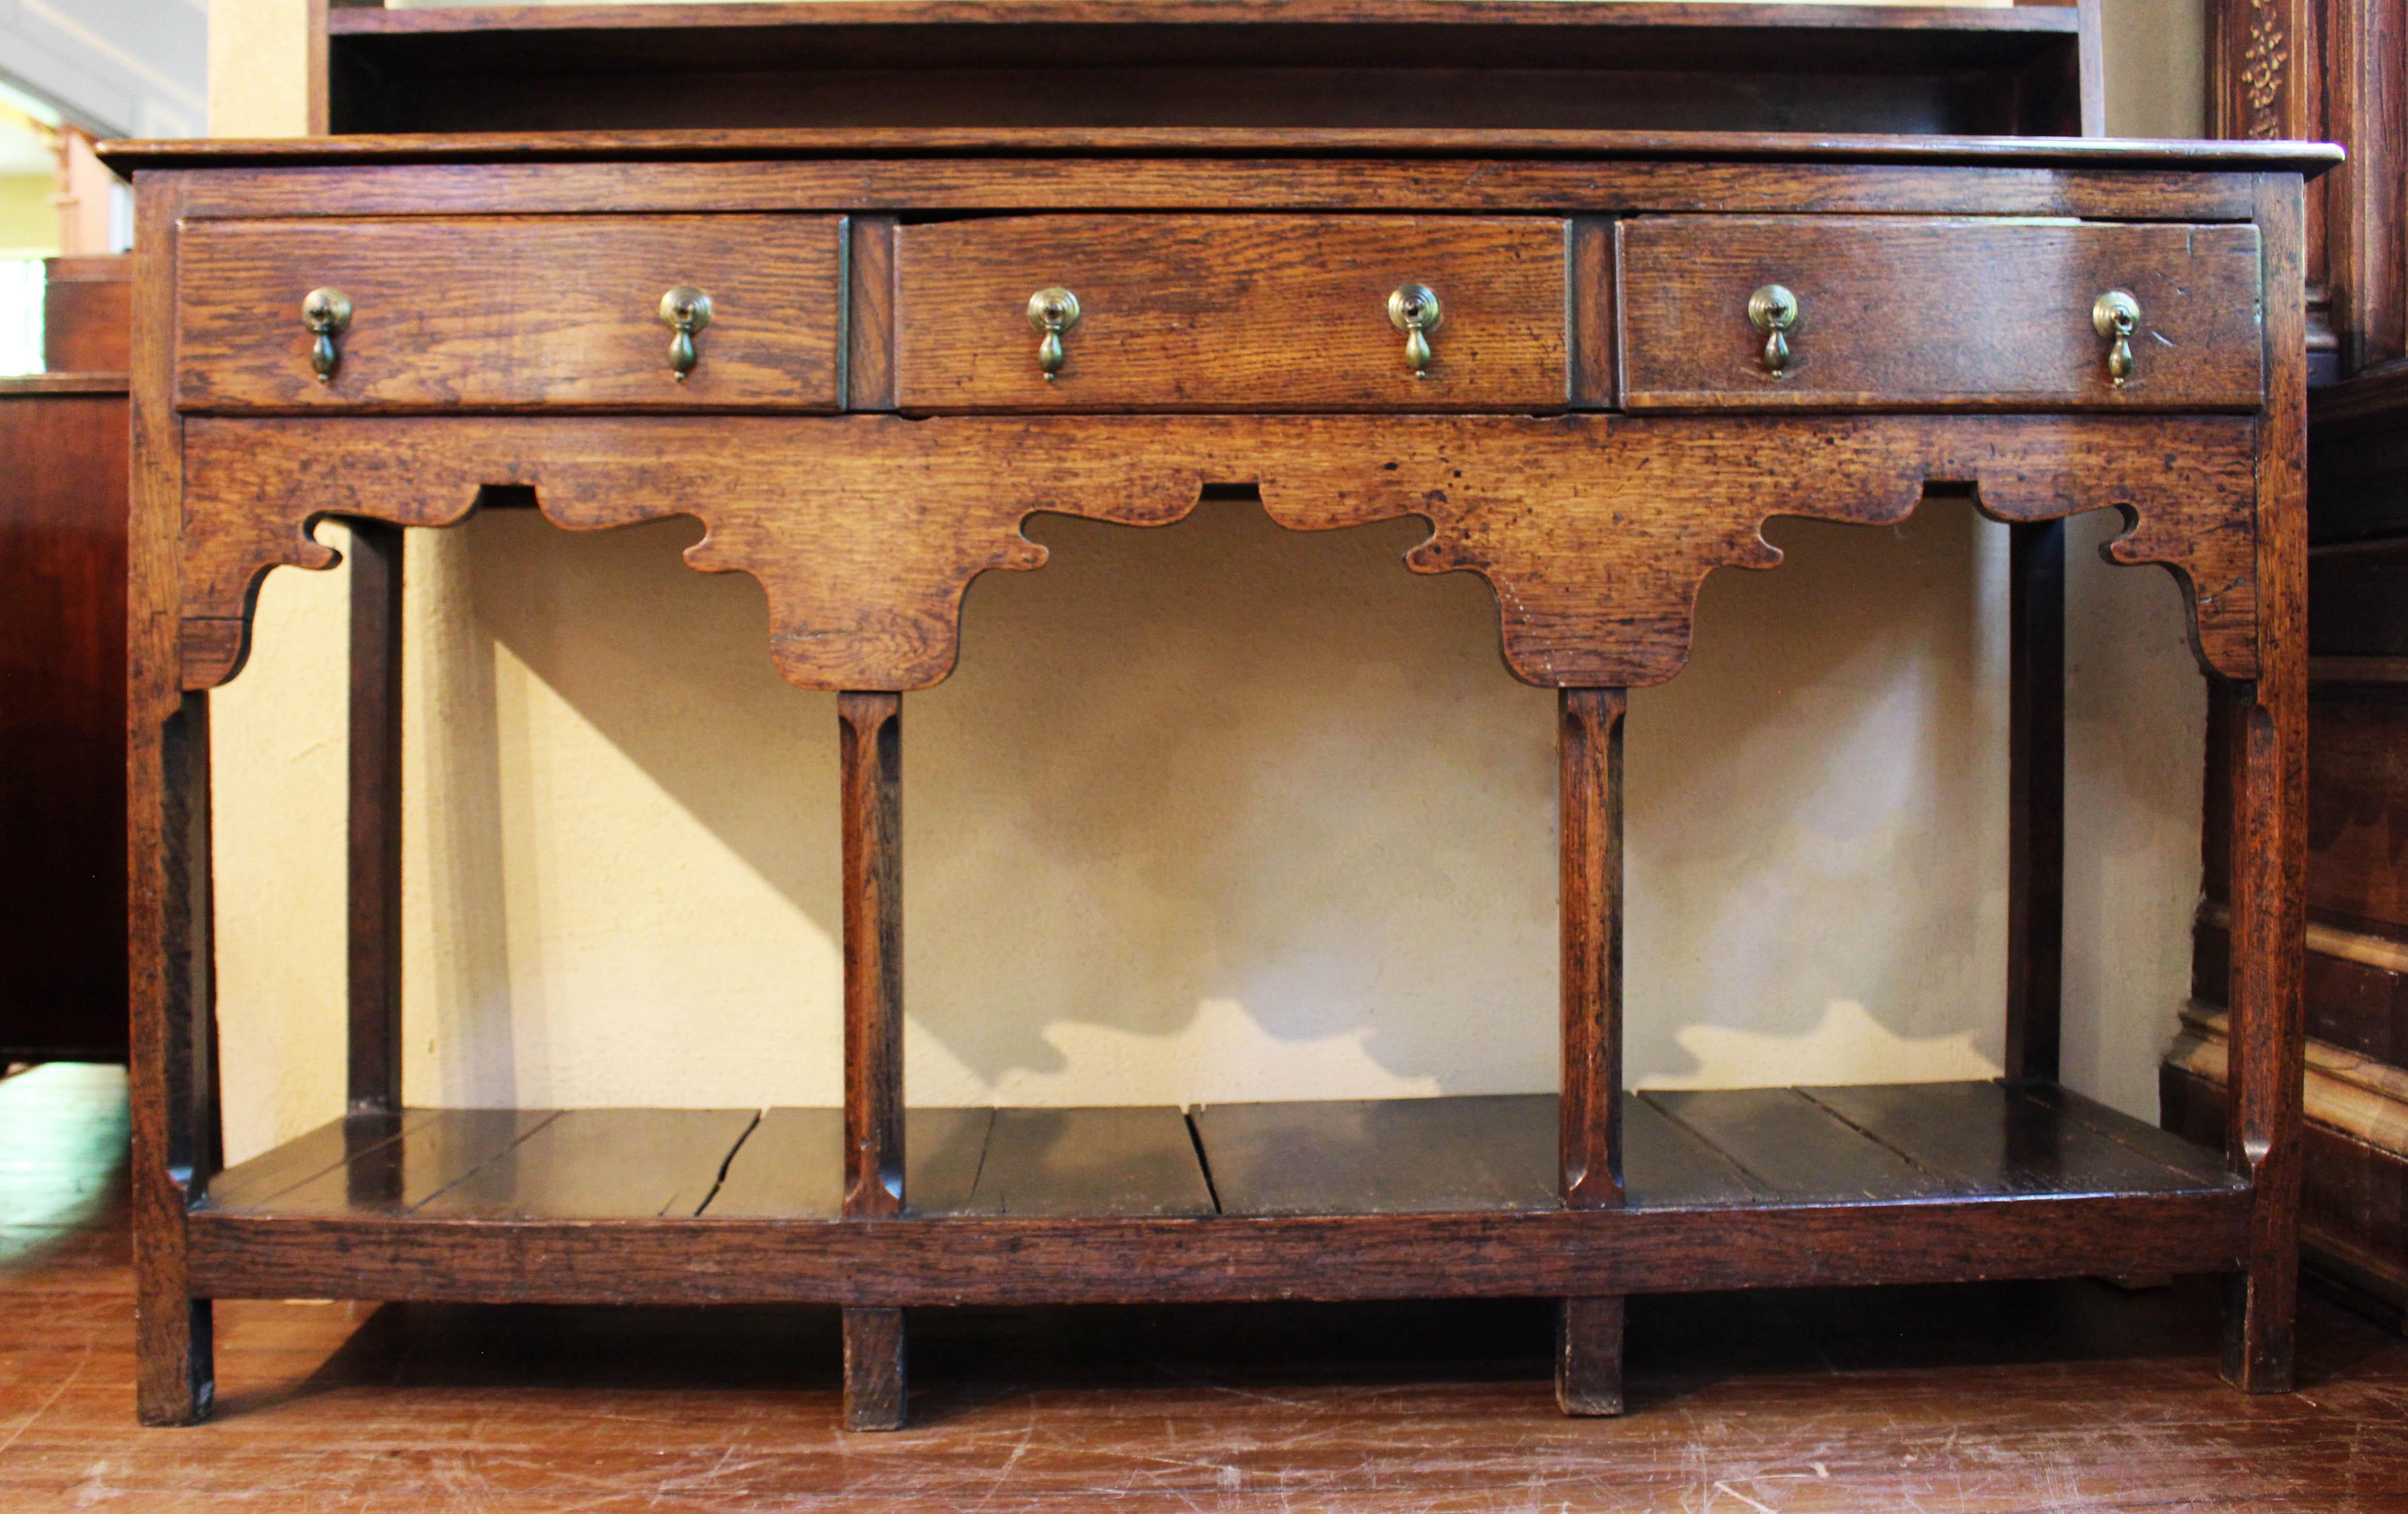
(1816, 812)
(1219, 811)
(1264, 812)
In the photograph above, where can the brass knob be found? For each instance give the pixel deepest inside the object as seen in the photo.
(2114, 316)
(1774, 310)
(684, 310)
(1412, 309)
(1052, 311)
(327, 314)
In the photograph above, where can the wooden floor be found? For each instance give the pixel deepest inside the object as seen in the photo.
(2022, 1396)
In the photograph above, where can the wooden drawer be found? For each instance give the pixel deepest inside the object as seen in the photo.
(1896, 312)
(1231, 313)
(512, 312)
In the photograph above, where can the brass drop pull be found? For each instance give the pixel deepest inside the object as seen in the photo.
(327, 313)
(2114, 317)
(1774, 310)
(684, 310)
(1052, 311)
(1413, 310)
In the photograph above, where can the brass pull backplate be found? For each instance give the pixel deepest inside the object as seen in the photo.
(1414, 309)
(2114, 316)
(327, 314)
(684, 310)
(1052, 311)
(1773, 310)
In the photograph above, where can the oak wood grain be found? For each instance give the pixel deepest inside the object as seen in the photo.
(1479, 180)
(1588, 930)
(1740, 147)
(869, 733)
(373, 887)
(1109, 1162)
(2267, 726)
(512, 312)
(603, 1164)
(1002, 1259)
(1666, 1165)
(1958, 314)
(877, 1393)
(1792, 1147)
(869, 313)
(1231, 313)
(1594, 299)
(425, 1158)
(1644, 505)
(1588, 1355)
(171, 1065)
(1997, 1140)
(1382, 1156)
(335, 1145)
(2035, 801)
(792, 1164)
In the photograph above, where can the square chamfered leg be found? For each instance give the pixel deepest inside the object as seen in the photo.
(1588, 1355)
(1588, 1339)
(174, 1065)
(876, 1389)
(2263, 1110)
(374, 855)
(2266, 724)
(870, 728)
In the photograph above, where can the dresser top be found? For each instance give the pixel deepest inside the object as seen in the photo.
(915, 142)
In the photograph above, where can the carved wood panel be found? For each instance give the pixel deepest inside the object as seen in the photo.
(1595, 531)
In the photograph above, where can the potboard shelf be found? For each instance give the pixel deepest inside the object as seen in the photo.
(1324, 1199)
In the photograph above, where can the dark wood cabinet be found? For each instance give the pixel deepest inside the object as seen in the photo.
(63, 501)
(2339, 69)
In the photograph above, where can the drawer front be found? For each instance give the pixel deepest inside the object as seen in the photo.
(1936, 314)
(512, 312)
(1231, 313)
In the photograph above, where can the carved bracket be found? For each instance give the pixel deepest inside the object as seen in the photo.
(1595, 531)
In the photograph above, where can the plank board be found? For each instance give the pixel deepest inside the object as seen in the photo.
(791, 1166)
(1796, 1149)
(281, 1169)
(1105, 1163)
(1382, 1156)
(603, 1164)
(1665, 1166)
(2203, 1165)
(1995, 1140)
(397, 1176)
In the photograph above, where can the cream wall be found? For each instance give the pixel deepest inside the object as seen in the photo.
(1212, 811)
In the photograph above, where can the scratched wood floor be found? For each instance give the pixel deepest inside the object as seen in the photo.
(2004, 1397)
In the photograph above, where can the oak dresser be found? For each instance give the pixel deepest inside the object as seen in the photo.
(1594, 362)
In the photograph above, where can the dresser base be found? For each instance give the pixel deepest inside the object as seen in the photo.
(1745, 1188)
